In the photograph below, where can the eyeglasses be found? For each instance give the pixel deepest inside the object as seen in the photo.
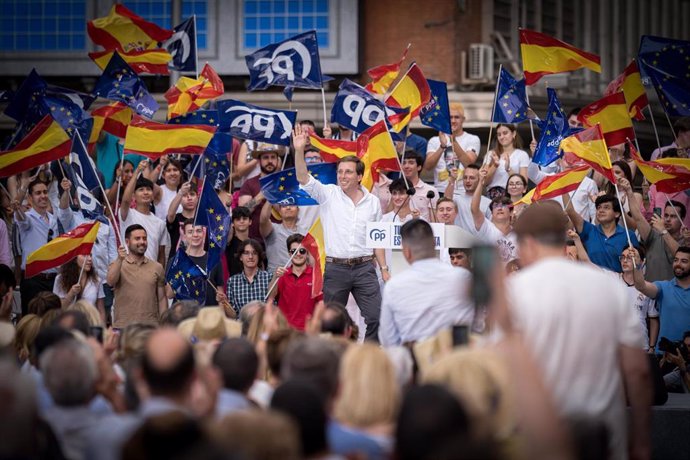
(312, 160)
(622, 258)
(50, 235)
(301, 251)
(250, 253)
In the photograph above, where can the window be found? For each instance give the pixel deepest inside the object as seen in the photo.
(269, 21)
(159, 12)
(200, 8)
(42, 25)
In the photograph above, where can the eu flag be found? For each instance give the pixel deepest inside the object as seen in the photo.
(214, 167)
(198, 117)
(436, 113)
(511, 99)
(665, 65)
(120, 83)
(282, 187)
(212, 214)
(554, 128)
(187, 279)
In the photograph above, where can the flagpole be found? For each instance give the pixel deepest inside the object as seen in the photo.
(656, 133)
(625, 223)
(531, 125)
(493, 109)
(400, 161)
(323, 100)
(62, 170)
(675, 211)
(270, 289)
(196, 49)
(671, 126)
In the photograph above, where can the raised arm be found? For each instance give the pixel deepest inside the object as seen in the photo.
(575, 218)
(113, 275)
(452, 179)
(244, 167)
(645, 287)
(175, 203)
(129, 190)
(477, 214)
(433, 157)
(490, 164)
(466, 157)
(265, 224)
(642, 225)
(299, 141)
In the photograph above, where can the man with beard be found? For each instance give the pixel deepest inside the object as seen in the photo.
(463, 196)
(250, 193)
(672, 296)
(137, 281)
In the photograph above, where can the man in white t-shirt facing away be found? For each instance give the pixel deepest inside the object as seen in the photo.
(442, 155)
(157, 233)
(585, 333)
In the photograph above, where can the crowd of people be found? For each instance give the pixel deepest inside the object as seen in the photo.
(528, 343)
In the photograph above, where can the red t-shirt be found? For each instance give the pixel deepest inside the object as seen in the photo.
(294, 297)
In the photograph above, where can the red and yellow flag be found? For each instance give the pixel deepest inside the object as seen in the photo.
(123, 30)
(560, 183)
(384, 75)
(590, 146)
(154, 140)
(333, 149)
(189, 94)
(611, 113)
(62, 249)
(144, 61)
(411, 91)
(631, 84)
(545, 55)
(314, 243)
(670, 175)
(113, 118)
(46, 142)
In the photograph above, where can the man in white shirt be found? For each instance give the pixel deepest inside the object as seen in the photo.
(463, 197)
(584, 332)
(428, 296)
(442, 155)
(345, 210)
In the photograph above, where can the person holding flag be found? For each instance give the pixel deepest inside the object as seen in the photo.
(505, 159)
(345, 210)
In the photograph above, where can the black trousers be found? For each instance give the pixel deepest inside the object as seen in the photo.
(29, 287)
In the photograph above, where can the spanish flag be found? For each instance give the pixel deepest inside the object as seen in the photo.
(113, 118)
(384, 75)
(62, 249)
(189, 94)
(611, 113)
(631, 84)
(411, 91)
(545, 55)
(670, 175)
(376, 150)
(47, 141)
(333, 149)
(154, 140)
(560, 183)
(314, 243)
(589, 145)
(123, 30)
(528, 198)
(144, 61)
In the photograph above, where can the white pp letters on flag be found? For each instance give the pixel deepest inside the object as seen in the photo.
(246, 121)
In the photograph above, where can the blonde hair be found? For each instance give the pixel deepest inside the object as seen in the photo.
(89, 310)
(133, 341)
(256, 325)
(25, 334)
(369, 391)
(457, 107)
(480, 379)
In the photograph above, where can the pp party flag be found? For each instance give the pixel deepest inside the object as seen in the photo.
(314, 243)
(611, 113)
(212, 214)
(124, 30)
(554, 128)
(293, 62)
(113, 118)
(673, 91)
(668, 177)
(85, 182)
(247, 121)
(189, 94)
(154, 140)
(590, 147)
(436, 113)
(545, 55)
(62, 249)
(182, 46)
(630, 83)
(511, 99)
(119, 82)
(6, 95)
(46, 142)
(561, 183)
(141, 61)
(214, 167)
(411, 91)
(356, 109)
(282, 187)
(384, 75)
(186, 279)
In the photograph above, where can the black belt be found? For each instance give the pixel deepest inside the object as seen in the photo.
(352, 261)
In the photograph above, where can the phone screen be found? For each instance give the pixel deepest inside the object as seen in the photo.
(97, 333)
(461, 335)
(484, 259)
(657, 211)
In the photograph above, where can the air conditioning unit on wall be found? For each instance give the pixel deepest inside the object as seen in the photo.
(481, 62)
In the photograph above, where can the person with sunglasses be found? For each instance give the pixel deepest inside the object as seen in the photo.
(294, 289)
(36, 227)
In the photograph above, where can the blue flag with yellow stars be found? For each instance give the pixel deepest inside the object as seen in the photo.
(436, 113)
(198, 117)
(212, 214)
(554, 128)
(511, 99)
(282, 187)
(120, 83)
(665, 65)
(215, 167)
(186, 278)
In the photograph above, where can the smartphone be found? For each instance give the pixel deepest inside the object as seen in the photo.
(657, 211)
(461, 335)
(484, 259)
(97, 333)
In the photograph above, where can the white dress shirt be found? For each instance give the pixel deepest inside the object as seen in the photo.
(424, 299)
(33, 231)
(344, 222)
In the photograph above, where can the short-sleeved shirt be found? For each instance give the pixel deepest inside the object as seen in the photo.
(93, 290)
(673, 303)
(241, 291)
(518, 159)
(507, 244)
(276, 245)
(136, 292)
(294, 297)
(467, 141)
(252, 187)
(659, 258)
(156, 231)
(602, 250)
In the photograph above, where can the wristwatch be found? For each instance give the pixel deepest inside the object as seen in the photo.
(665, 232)
(384, 268)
